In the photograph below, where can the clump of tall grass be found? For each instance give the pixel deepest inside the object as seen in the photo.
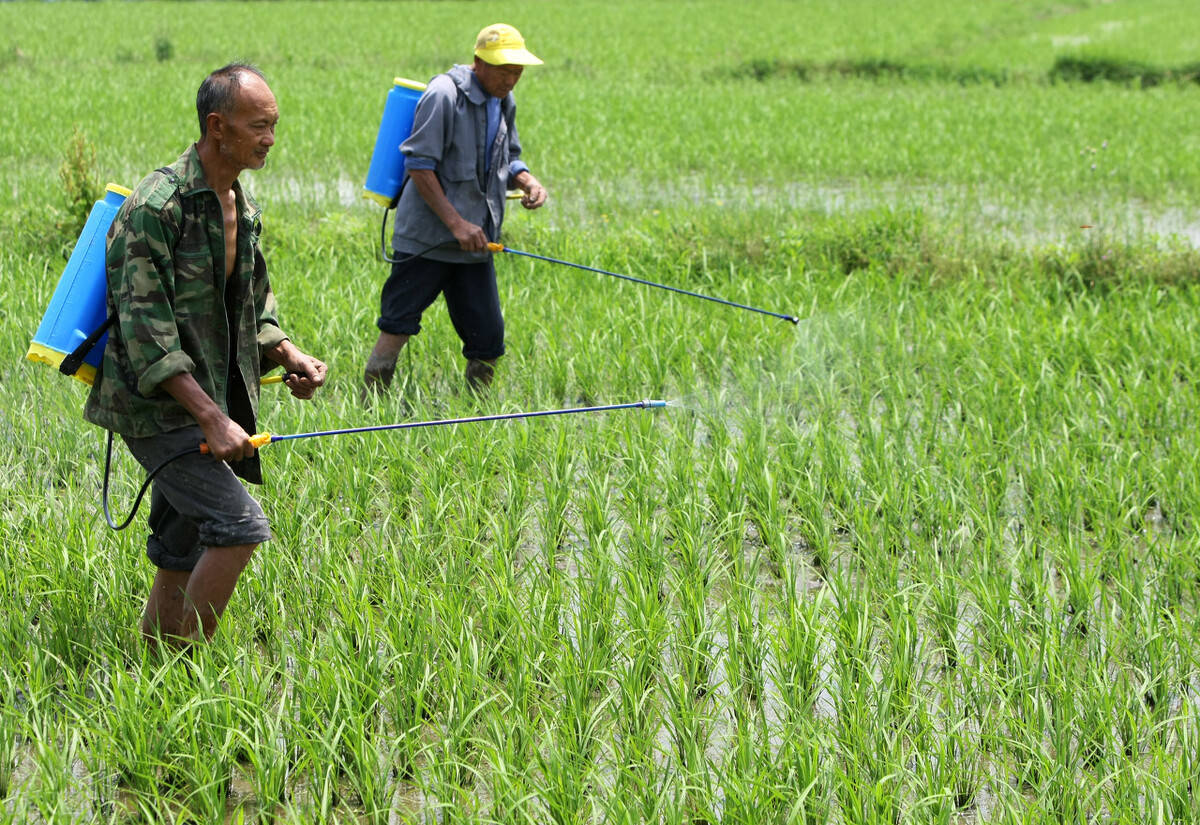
(1114, 69)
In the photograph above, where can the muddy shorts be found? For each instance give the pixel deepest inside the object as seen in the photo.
(196, 502)
(472, 299)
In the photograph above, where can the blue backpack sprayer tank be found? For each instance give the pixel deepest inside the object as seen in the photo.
(77, 310)
(386, 172)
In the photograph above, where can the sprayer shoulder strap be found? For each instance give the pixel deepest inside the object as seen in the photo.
(72, 362)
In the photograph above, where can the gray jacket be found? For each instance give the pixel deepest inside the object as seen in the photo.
(449, 130)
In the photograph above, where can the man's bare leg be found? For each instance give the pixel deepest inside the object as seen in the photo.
(165, 606)
(210, 588)
(185, 603)
(480, 372)
(381, 363)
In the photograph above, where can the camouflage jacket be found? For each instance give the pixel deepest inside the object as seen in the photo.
(175, 311)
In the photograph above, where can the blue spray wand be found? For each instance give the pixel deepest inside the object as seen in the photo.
(499, 247)
(263, 439)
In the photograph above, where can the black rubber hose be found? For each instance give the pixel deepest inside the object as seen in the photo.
(383, 250)
(145, 485)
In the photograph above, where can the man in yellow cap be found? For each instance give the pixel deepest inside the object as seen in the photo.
(462, 157)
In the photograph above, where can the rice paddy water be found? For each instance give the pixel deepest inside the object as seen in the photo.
(928, 556)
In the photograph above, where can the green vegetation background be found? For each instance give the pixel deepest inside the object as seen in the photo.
(929, 554)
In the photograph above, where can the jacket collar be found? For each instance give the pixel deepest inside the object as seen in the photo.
(468, 84)
(189, 172)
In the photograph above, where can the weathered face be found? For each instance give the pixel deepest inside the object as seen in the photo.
(247, 134)
(497, 81)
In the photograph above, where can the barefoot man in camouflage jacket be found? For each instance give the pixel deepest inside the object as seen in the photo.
(196, 325)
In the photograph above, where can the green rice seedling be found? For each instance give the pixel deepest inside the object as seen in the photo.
(1179, 764)
(583, 705)
(354, 634)
(694, 573)
(1082, 585)
(1094, 720)
(556, 491)
(592, 643)
(97, 774)
(869, 772)
(852, 633)
(723, 486)
(764, 496)
(1027, 743)
(199, 762)
(641, 795)
(1147, 646)
(51, 788)
(1130, 717)
(949, 766)
(10, 733)
(946, 606)
(638, 679)
(404, 700)
(264, 730)
(133, 726)
(319, 726)
(747, 785)
(693, 642)
(507, 766)
(636, 714)
(466, 693)
(906, 651)
(324, 796)
(690, 733)
(803, 774)
(745, 648)
(498, 618)
(368, 765)
(595, 507)
(641, 490)
(961, 746)
(1057, 680)
(1064, 798)
(566, 763)
(796, 656)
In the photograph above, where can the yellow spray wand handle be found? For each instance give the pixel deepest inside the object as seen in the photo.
(259, 440)
(495, 247)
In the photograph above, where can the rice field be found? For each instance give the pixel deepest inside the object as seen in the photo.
(929, 555)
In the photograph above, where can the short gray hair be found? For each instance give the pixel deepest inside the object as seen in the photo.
(219, 91)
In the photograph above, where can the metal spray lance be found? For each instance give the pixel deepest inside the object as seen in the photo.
(260, 440)
(497, 247)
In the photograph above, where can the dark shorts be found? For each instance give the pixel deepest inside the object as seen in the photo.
(196, 502)
(471, 297)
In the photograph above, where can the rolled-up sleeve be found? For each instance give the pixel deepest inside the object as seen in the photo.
(141, 273)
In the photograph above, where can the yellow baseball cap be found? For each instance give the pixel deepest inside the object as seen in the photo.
(501, 44)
